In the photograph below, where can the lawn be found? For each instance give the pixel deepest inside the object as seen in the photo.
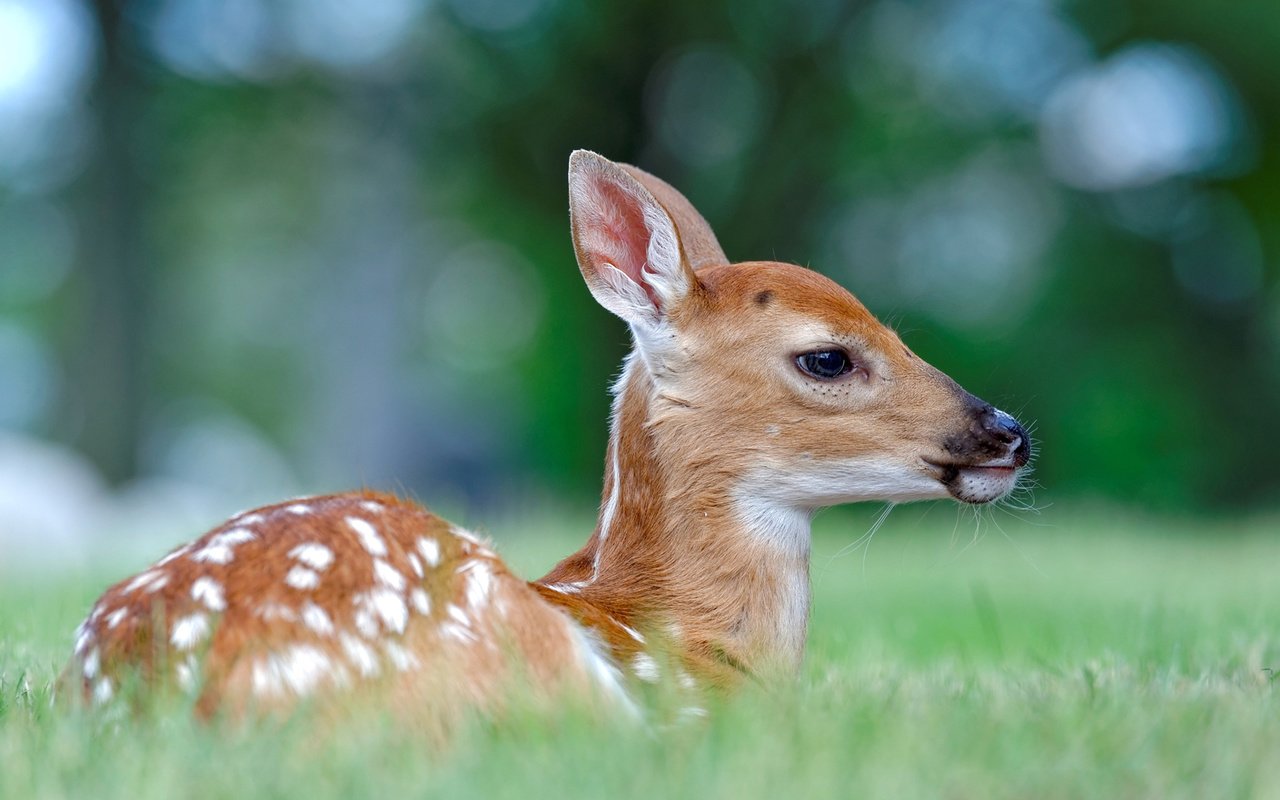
(1074, 653)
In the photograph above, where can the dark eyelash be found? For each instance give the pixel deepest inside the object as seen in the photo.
(826, 365)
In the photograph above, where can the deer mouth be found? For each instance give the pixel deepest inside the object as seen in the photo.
(977, 483)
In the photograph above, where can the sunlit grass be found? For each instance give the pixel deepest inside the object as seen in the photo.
(1061, 655)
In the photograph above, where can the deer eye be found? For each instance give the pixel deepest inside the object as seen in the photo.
(826, 365)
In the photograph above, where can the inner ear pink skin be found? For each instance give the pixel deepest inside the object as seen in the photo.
(621, 222)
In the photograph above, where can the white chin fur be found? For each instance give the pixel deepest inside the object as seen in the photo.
(816, 484)
(982, 485)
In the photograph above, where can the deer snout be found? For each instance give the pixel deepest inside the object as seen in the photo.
(983, 461)
(1003, 431)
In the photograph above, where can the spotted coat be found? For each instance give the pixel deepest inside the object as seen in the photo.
(338, 592)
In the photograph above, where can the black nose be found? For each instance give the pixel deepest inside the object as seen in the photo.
(1005, 429)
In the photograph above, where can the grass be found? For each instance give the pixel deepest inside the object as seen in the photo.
(1077, 654)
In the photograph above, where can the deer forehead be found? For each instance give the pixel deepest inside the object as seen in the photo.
(775, 303)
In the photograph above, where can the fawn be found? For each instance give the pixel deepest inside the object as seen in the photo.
(755, 394)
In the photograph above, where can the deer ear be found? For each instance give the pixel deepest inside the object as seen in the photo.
(627, 245)
(697, 240)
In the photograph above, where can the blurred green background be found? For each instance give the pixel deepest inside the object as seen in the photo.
(251, 247)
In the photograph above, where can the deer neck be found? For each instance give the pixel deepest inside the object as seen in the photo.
(680, 550)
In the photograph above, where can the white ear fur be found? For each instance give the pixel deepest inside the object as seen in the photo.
(627, 245)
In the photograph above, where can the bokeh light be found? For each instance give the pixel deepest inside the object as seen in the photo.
(47, 55)
(1148, 113)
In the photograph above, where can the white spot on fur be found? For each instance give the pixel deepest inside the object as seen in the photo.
(208, 591)
(276, 611)
(145, 579)
(368, 535)
(430, 550)
(113, 619)
(386, 606)
(298, 509)
(458, 615)
(387, 574)
(300, 577)
(232, 537)
(416, 564)
(315, 618)
(479, 582)
(391, 609)
(458, 633)
(692, 712)
(300, 669)
(372, 506)
(458, 626)
(248, 518)
(359, 654)
(214, 554)
(91, 664)
(189, 631)
(600, 668)
(103, 692)
(421, 601)
(313, 554)
(366, 623)
(401, 658)
(83, 637)
(186, 673)
(645, 668)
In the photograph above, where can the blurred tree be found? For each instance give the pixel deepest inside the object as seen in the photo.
(338, 231)
(107, 388)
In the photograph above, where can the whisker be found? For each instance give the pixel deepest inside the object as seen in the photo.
(865, 539)
(1017, 549)
(871, 534)
(955, 529)
(978, 535)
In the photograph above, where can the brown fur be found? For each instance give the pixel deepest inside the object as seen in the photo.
(720, 447)
(511, 632)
